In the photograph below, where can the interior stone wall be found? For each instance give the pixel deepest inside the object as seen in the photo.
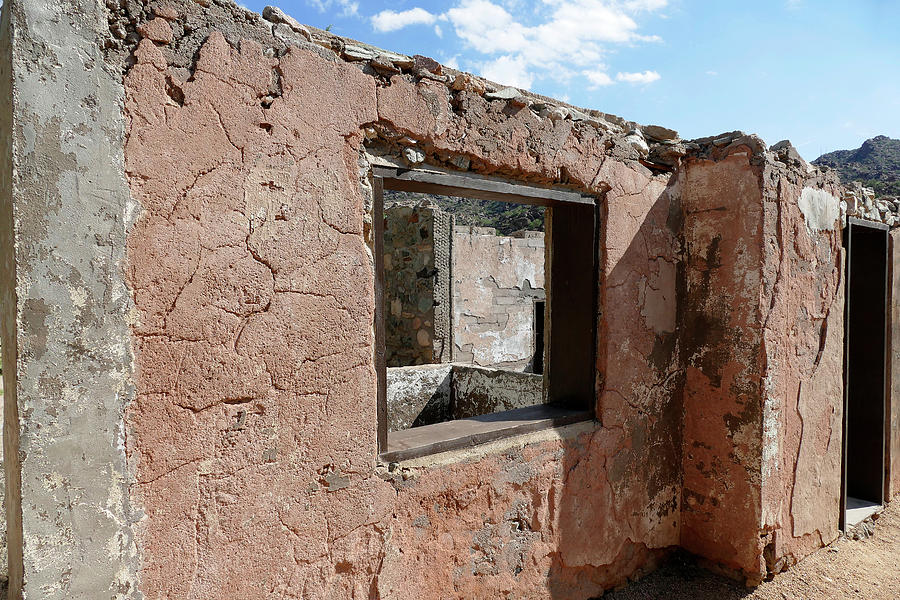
(496, 281)
(426, 394)
(416, 285)
(419, 395)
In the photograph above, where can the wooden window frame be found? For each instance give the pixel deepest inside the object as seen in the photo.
(570, 368)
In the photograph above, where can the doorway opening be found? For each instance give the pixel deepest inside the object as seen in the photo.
(865, 370)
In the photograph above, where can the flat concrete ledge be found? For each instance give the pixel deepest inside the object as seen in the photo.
(462, 433)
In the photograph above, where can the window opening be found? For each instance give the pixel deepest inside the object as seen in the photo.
(467, 269)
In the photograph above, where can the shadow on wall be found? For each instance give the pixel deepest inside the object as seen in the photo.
(619, 489)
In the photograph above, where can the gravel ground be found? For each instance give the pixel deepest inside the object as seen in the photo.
(867, 568)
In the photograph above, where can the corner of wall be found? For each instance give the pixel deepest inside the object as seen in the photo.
(11, 520)
(63, 219)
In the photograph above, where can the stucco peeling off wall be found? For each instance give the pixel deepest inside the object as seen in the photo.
(254, 427)
(723, 396)
(802, 301)
(764, 357)
(496, 281)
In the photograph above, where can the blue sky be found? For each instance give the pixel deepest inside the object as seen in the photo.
(824, 74)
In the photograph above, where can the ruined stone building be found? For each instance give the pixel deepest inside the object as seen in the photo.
(464, 318)
(194, 327)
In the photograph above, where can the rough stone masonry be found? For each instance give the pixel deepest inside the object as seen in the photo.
(188, 341)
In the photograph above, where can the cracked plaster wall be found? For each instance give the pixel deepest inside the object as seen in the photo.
(253, 427)
(802, 299)
(723, 214)
(764, 394)
(254, 424)
(496, 281)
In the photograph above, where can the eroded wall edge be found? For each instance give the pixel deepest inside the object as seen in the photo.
(11, 488)
(70, 212)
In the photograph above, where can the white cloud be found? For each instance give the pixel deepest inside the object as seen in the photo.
(389, 20)
(350, 7)
(645, 77)
(452, 62)
(563, 35)
(712, 73)
(508, 70)
(648, 5)
(438, 31)
(598, 78)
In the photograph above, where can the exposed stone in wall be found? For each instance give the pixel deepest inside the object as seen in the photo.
(417, 285)
(496, 281)
(860, 201)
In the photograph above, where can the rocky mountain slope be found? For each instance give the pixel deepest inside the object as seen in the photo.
(876, 164)
(505, 217)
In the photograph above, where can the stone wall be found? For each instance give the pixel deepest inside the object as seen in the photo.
(481, 391)
(426, 394)
(496, 281)
(417, 285)
(228, 416)
(233, 433)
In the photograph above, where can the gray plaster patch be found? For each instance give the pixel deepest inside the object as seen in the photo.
(67, 343)
(820, 209)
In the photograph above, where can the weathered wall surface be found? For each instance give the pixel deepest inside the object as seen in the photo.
(419, 395)
(802, 302)
(479, 391)
(251, 273)
(7, 270)
(764, 353)
(416, 285)
(893, 478)
(255, 337)
(723, 225)
(67, 356)
(496, 280)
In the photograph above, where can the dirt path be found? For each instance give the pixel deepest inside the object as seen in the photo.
(866, 568)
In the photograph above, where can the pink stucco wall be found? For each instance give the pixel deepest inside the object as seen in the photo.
(254, 431)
